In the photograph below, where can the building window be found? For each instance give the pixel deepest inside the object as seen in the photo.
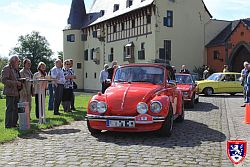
(71, 38)
(167, 47)
(114, 28)
(86, 75)
(141, 53)
(92, 53)
(133, 23)
(116, 7)
(242, 33)
(216, 55)
(148, 19)
(78, 65)
(111, 55)
(129, 3)
(165, 53)
(84, 37)
(95, 75)
(168, 21)
(123, 26)
(94, 34)
(86, 56)
(102, 12)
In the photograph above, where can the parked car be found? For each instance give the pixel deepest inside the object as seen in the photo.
(228, 82)
(142, 97)
(189, 88)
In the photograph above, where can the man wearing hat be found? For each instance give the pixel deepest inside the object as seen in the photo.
(103, 77)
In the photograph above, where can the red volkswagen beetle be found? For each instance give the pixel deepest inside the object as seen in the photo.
(188, 87)
(142, 97)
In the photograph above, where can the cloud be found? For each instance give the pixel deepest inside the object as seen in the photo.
(228, 9)
(20, 19)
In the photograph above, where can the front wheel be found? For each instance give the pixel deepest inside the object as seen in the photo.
(167, 126)
(92, 130)
(191, 103)
(208, 91)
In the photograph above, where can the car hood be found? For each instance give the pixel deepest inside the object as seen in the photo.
(206, 81)
(184, 87)
(122, 99)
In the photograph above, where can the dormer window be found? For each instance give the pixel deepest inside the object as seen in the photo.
(102, 12)
(129, 3)
(116, 7)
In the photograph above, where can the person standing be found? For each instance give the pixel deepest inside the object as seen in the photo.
(112, 69)
(206, 73)
(27, 91)
(51, 94)
(73, 95)
(10, 77)
(58, 75)
(225, 69)
(184, 70)
(244, 74)
(39, 90)
(103, 77)
(68, 87)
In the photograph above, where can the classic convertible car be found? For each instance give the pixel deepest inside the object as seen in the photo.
(142, 97)
(228, 82)
(188, 87)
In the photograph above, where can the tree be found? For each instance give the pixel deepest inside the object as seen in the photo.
(36, 48)
(3, 62)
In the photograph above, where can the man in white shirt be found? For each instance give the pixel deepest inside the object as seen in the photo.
(103, 77)
(58, 75)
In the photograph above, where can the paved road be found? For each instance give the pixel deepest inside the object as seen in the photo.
(199, 141)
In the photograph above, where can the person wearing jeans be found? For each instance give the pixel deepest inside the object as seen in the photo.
(58, 75)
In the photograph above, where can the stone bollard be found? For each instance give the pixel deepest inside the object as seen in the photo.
(23, 115)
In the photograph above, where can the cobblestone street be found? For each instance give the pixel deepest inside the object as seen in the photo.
(199, 141)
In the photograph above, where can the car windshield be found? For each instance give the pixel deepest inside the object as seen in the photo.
(184, 79)
(215, 77)
(154, 75)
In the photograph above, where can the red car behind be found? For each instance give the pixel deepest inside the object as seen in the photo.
(188, 87)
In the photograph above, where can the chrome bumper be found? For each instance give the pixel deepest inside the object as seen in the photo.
(105, 118)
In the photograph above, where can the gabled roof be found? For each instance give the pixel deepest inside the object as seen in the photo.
(108, 6)
(221, 38)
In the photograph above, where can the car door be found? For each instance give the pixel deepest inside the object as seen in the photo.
(237, 84)
(227, 83)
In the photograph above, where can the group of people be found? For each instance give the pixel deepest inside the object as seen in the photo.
(20, 86)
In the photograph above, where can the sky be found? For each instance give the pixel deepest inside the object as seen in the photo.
(49, 17)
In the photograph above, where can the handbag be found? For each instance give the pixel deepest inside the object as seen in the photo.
(74, 85)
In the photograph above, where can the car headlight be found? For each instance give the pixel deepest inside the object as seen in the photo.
(101, 107)
(142, 108)
(155, 107)
(93, 106)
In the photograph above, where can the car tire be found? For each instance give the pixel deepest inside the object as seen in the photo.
(197, 100)
(92, 130)
(167, 126)
(181, 117)
(191, 103)
(208, 91)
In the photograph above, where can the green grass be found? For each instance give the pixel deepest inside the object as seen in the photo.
(6, 135)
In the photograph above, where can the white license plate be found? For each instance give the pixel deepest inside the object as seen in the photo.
(120, 123)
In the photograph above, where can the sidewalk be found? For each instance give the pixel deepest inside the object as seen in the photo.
(237, 128)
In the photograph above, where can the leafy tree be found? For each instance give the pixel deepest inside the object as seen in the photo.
(3, 62)
(60, 55)
(36, 48)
